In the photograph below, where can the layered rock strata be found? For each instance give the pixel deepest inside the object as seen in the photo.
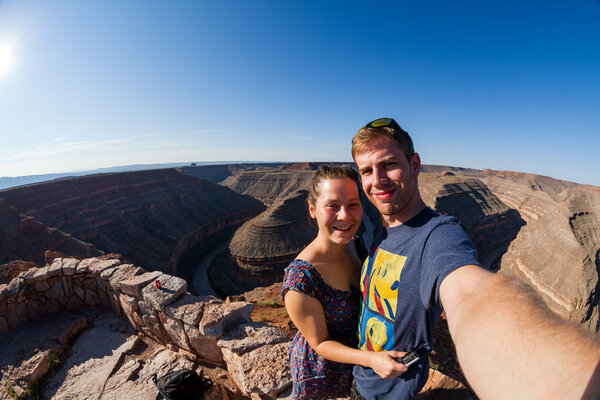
(269, 187)
(272, 185)
(156, 305)
(218, 173)
(491, 224)
(159, 219)
(262, 247)
(22, 237)
(557, 251)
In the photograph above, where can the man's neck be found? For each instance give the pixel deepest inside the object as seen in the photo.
(406, 214)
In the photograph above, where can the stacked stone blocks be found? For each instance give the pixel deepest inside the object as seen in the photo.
(167, 313)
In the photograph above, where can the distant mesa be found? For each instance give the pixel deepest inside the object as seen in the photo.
(219, 172)
(272, 185)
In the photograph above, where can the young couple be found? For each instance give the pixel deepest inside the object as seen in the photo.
(420, 264)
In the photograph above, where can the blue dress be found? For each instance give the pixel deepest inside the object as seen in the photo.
(314, 377)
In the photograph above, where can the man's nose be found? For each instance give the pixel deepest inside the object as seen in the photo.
(379, 176)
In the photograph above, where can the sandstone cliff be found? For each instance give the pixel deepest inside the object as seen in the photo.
(269, 186)
(557, 251)
(220, 172)
(262, 247)
(159, 219)
(491, 224)
(22, 237)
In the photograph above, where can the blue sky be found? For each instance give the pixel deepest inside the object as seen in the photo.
(509, 85)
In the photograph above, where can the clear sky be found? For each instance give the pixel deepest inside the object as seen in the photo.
(502, 84)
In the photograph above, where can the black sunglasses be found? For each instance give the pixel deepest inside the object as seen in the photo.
(383, 122)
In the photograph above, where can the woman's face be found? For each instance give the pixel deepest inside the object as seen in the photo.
(337, 210)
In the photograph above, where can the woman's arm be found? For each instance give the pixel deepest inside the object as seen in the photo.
(308, 315)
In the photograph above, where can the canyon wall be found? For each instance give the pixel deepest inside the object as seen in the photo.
(159, 219)
(219, 172)
(271, 185)
(557, 251)
(262, 247)
(23, 237)
(491, 224)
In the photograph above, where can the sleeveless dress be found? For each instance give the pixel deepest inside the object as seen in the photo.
(315, 377)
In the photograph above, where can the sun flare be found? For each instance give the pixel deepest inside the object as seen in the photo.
(7, 58)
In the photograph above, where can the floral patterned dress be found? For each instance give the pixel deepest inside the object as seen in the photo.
(314, 377)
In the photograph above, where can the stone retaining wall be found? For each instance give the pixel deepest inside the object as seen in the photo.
(204, 327)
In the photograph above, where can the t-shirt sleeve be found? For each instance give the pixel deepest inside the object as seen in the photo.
(300, 278)
(448, 248)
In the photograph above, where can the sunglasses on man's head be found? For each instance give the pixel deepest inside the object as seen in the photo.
(382, 122)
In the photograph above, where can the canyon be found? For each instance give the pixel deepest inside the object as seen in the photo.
(73, 245)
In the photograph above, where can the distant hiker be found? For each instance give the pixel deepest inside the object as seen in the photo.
(321, 292)
(509, 344)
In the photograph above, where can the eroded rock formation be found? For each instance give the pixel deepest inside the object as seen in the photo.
(22, 237)
(220, 172)
(159, 219)
(262, 247)
(557, 251)
(491, 224)
(271, 185)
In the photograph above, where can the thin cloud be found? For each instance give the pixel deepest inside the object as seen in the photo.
(207, 131)
(60, 145)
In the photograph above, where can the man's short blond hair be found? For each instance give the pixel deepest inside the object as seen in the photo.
(367, 133)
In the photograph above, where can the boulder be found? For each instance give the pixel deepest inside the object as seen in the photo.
(249, 372)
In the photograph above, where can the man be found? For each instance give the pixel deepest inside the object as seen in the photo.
(509, 344)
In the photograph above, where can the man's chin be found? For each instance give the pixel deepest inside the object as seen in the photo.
(386, 209)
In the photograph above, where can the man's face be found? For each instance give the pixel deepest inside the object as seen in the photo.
(389, 179)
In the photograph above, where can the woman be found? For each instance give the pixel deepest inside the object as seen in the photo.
(321, 293)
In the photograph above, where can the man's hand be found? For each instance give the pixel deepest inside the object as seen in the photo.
(385, 365)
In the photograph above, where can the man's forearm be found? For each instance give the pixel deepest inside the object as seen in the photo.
(510, 345)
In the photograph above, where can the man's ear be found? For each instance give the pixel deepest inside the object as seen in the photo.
(415, 163)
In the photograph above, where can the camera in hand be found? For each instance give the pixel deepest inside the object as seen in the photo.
(412, 357)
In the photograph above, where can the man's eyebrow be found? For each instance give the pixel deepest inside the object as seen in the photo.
(386, 159)
(380, 161)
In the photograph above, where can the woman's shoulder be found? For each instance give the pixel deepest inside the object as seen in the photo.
(299, 265)
(302, 276)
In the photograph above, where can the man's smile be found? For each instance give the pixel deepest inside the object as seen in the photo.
(384, 194)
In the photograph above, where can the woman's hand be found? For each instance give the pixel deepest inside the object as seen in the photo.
(385, 365)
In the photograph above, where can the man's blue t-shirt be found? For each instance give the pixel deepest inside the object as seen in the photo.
(400, 301)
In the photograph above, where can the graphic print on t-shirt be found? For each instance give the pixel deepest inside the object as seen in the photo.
(379, 282)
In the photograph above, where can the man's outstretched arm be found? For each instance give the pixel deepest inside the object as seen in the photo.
(510, 345)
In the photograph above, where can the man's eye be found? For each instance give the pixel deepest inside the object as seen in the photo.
(365, 172)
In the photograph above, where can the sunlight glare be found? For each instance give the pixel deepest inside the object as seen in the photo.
(7, 58)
